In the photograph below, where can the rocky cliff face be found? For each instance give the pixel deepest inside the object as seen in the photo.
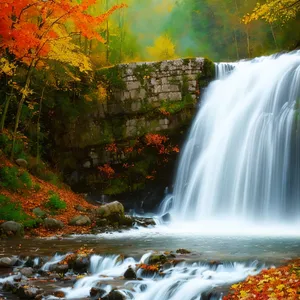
(130, 140)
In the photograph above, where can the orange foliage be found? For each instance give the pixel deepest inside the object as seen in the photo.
(111, 148)
(27, 27)
(107, 170)
(155, 139)
(281, 283)
(150, 268)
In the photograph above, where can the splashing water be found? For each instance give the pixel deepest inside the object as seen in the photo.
(241, 160)
(183, 281)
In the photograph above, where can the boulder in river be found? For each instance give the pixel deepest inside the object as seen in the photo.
(114, 295)
(53, 224)
(7, 262)
(109, 209)
(27, 271)
(12, 228)
(80, 221)
(81, 264)
(129, 274)
(97, 293)
(28, 292)
(183, 251)
(157, 259)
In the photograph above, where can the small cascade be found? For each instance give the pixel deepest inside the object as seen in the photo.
(241, 160)
(184, 281)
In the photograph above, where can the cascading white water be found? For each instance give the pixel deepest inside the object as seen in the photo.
(183, 281)
(242, 157)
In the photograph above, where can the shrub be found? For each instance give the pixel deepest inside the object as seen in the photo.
(12, 180)
(9, 178)
(37, 187)
(11, 211)
(26, 180)
(55, 203)
(6, 144)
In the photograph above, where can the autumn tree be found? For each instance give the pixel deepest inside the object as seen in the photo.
(274, 11)
(33, 32)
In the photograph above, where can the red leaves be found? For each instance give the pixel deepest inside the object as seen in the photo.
(107, 171)
(281, 283)
(155, 139)
(111, 148)
(27, 26)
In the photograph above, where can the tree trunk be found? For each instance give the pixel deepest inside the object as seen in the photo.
(274, 36)
(38, 129)
(20, 106)
(248, 42)
(5, 109)
(107, 37)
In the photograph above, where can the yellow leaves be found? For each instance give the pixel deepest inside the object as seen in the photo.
(26, 92)
(102, 94)
(63, 50)
(244, 294)
(163, 49)
(272, 11)
(280, 287)
(6, 67)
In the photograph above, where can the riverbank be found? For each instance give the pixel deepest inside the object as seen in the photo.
(32, 206)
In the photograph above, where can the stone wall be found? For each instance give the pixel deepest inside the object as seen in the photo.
(134, 100)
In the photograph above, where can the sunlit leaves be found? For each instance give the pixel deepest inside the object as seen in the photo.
(162, 49)
(274, 11)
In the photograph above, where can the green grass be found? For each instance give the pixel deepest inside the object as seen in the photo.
(9, 178)
(11, 211)
(55, 203)
(12, 179)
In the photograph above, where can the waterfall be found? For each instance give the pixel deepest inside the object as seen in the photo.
(242, 157)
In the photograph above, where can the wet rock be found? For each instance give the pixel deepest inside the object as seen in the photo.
(145, 222)
(107, 210)
(28, 292)
(29, 262)
(96, 293)
(183, 251)
(129, 274)
(80, 208)
(114, 295)
(53, 224)
(125, 221)
(27, 271)
(12, 228)
(60, 268)
(81, 264)
(6, 262)
(59, 294)
(80, 221)
(166, 218)
(22, 163)
(101, 222)
(157, 259)
(39, 213)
